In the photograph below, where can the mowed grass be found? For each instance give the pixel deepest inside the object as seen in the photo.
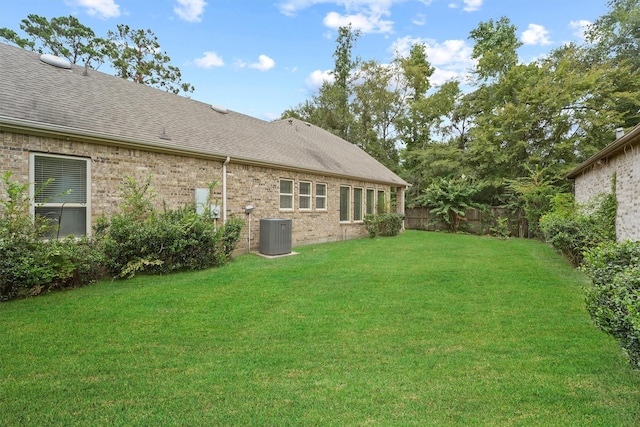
(419, 329)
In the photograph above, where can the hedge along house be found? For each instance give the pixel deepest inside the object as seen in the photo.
(620, 161)
(89, 130)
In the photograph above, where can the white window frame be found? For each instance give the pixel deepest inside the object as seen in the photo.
(305, 196)
(348, 207)
(288, 195)
(61, 206)
(358, 214)
(322, 197)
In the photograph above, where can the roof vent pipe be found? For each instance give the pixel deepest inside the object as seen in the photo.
(619, 133)
(224, 189)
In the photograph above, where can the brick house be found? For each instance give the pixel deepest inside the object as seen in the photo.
(89, 130)
(595, 176)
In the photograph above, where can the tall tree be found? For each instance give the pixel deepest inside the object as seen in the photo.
(65, 37)
(417, 71)
(330, 108)
(136, 55)
(377, 103)
(615, 36)
(344, 65)
(434, 153)
(495, 48)
(550, 114)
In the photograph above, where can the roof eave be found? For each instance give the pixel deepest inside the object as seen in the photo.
(67, 133)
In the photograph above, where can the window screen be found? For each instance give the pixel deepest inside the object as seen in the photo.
(345, 203)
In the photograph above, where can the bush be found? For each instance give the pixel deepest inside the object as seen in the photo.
(140, 239)
(573, 230)
(384, 224)
(449, 199)
(171, 241)
(30, 265)
(501, 228)
(231, 235)
(613, 299)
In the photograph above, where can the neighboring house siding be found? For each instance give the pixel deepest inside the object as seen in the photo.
(598, 179)
(175, 178)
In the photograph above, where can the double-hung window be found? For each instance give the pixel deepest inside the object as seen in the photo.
(61, 193)
(345, 204)
(286, 194)
(304, 195)
(357, 204)
(321, 197)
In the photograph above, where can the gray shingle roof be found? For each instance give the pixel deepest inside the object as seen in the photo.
(38, 95)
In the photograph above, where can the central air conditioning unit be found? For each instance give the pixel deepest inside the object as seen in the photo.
(275, 236)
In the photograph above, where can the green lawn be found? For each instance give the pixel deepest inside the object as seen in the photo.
(419, 329)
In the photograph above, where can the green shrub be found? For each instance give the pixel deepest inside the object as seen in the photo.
(501, 228)
(384, 224)
(231, 235)
(141, 239)
(30, 265)
(170, 241)
(572, 230)
(449, 199)
(613, 299)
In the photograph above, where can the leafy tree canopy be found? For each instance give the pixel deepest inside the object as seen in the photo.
(134, 54)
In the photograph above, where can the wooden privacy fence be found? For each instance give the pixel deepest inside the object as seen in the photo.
(476, 221)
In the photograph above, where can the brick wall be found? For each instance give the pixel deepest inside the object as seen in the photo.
(176, 177)
(260, 187)
(597, 180)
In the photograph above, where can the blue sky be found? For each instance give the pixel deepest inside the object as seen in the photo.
(260, 57)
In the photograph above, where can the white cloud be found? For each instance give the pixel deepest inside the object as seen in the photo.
(440, 76)
(469, 5)
(580, 28)
(368, 16)
(264, 63)
(316, 78)
(451, 58)
(535, 35)
(449, 52)
(190, 10)
(419, 20)
(362, 22)
(210, 59)
(104, 9)
(472, 5)
(364, 15)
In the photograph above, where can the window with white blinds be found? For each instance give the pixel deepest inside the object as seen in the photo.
(60, 192)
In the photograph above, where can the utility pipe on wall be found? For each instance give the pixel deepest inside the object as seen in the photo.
(224, 190)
